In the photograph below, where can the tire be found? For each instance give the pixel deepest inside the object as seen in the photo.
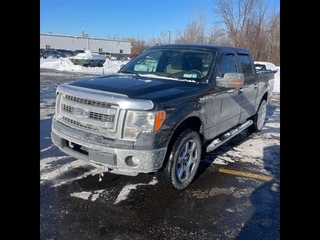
(183, 161)
(100, 64)
(91, 64)
(260, 117)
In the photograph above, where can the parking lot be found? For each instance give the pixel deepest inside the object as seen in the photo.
(236, 194)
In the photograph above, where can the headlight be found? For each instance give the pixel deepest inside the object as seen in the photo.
(137, 122)
(57, 107)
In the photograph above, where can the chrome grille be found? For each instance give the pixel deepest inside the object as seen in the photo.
(93, 115)
(89, 114)
(102, 117)
(79, 124)
(88, 101)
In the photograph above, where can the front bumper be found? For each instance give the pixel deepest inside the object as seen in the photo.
(117, 160)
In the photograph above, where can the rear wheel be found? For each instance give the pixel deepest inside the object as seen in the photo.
(183, 161)
(260, 117)
(91, 64)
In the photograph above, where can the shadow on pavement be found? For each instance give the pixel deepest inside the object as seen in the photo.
(265, 221)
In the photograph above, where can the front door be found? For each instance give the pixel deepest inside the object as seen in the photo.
(230, 108)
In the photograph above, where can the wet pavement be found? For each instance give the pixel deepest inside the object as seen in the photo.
(236, 194)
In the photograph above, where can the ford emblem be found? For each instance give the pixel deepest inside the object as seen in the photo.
(80, 112)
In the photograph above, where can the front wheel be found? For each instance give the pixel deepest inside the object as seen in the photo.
(260, 117)
(183, 161)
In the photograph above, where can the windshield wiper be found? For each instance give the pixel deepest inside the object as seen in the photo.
(153, 73)
(167, 75)
(128, 71)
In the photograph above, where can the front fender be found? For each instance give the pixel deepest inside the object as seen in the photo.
(180, 114)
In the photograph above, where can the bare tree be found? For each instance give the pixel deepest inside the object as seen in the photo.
(273, 47)
(137, 45)
(195, 30)
(250, 24)
(165, 37)
(238, 17)
(218, 36)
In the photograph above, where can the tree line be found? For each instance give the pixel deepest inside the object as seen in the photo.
(250, 24)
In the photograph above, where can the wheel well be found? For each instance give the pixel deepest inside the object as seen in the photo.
(265, 97)
(190, 123)
(193, 123)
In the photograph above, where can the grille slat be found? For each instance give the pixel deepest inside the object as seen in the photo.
(89, 114)
(93, 115)
(88, 102)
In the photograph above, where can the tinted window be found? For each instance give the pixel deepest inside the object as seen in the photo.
(227, 65)
(246, 65)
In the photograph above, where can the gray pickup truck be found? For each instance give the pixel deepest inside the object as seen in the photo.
(161, 110)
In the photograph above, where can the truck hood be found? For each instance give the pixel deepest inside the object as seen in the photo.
(149, 87)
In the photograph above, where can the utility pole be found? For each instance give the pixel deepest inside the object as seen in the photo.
(169, 36)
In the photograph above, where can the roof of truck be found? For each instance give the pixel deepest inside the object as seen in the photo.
(210, 46)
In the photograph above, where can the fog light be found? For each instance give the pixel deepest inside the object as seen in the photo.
(132, 161)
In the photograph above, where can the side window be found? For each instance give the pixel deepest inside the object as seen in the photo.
(246, 65)
(227, 65)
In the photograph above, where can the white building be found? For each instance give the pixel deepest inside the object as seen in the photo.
(96, 45)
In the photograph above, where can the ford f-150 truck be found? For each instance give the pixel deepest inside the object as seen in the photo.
(161, 110)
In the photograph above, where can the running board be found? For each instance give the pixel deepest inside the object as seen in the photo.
(227, 136)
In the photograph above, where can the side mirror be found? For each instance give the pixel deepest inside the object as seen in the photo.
(230, 80)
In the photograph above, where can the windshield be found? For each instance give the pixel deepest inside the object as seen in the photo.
(178, 63)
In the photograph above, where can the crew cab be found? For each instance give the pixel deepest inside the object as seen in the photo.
(161, 110)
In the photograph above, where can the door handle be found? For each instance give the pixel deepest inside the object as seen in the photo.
(231, 90)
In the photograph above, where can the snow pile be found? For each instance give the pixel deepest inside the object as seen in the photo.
(269, 65)
(88, 55)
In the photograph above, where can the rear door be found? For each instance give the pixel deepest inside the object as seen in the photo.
(250, 87)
